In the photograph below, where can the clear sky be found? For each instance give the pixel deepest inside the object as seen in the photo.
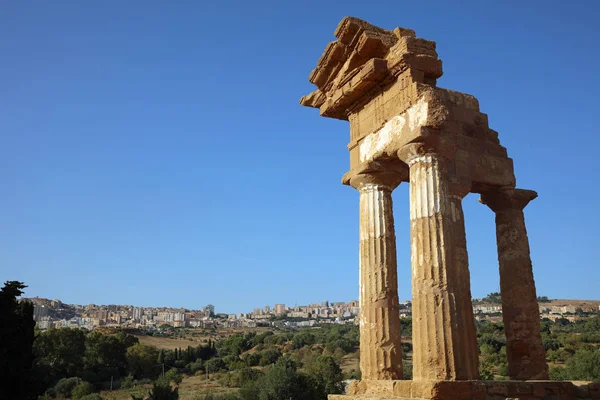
(154, 153)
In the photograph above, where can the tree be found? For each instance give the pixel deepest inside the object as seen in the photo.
(329, 373)
(142, 361)
(584, 365)
(543, 299)
(82, 389)
(174, 376)
(162, 390)
(281, 382)
(303, 338)
(59, 354)
(104, 356)
(65, 387)
(494, 298)
(16, 343)
(269, 356)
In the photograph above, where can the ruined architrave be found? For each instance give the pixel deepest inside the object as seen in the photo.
(403, 128)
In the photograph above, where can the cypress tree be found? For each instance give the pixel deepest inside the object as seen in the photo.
(16, 343)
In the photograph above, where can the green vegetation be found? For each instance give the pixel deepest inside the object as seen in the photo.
(572, 349)
(270, 365)
(492, 298)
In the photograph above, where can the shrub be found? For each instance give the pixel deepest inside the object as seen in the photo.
(215, 365)
(82, 389)
(174, 376)
(251, 359)
(65, 386)
(127, 382)
(196, 366)
(161, 390)
(269, 356)
(585, 365)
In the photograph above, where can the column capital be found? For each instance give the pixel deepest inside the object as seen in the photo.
(387, 174)
(507, 199)
(431, 147)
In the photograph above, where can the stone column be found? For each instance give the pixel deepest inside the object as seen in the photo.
(380, 335)
(467, 336)
(520, 309)
(443, 333)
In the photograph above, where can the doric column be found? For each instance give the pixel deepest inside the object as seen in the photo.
(380, 335)
(467, 336)
(443, 333)
(520, 310)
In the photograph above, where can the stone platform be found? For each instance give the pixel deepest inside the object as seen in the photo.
(469, 390)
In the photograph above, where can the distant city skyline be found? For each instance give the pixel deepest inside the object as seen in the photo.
(55, 314)
(167, 160)
(250, 309)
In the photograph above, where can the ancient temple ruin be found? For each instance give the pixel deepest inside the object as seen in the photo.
(403, 128)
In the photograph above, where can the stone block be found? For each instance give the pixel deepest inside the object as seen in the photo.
(356, 387)
(496, 150)
(380, 387)
(455, 390)
(493, 171)
(468, 115)
(478, 390)
(403, 389)
(422, 389)
(552, 390)
(582, 391)
(452, 127)
(497, 389)
(567, 390)
(519, 389)
(594, 390)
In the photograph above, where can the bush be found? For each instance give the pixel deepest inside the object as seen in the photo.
(407, 370)
(585, 365)
(127, 382)
(485, 372)
(215, 365)
(269, 357)
(161, 390)
(65, 386)
(329, 374)
(558, 373)
(82, 389)
(174, 376)
(251, 359)
(196, 366)
(248, 375)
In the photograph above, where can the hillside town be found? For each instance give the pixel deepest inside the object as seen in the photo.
(56, 314)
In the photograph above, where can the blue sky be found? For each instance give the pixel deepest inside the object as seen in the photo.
(154, 153)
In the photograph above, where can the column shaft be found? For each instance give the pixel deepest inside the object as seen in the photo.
(441, 350)
(520, 311)
(468, 360)
(380, 339)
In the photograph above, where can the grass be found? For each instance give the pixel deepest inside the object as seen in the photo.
(167, 343)
(191, 388)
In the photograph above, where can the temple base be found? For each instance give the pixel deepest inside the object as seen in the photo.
(469, 390)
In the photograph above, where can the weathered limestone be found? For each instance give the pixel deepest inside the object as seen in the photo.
(384, 83)
(444, 341)
(467, 390)
(467, 332)
(520, 310)
(380, 335)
